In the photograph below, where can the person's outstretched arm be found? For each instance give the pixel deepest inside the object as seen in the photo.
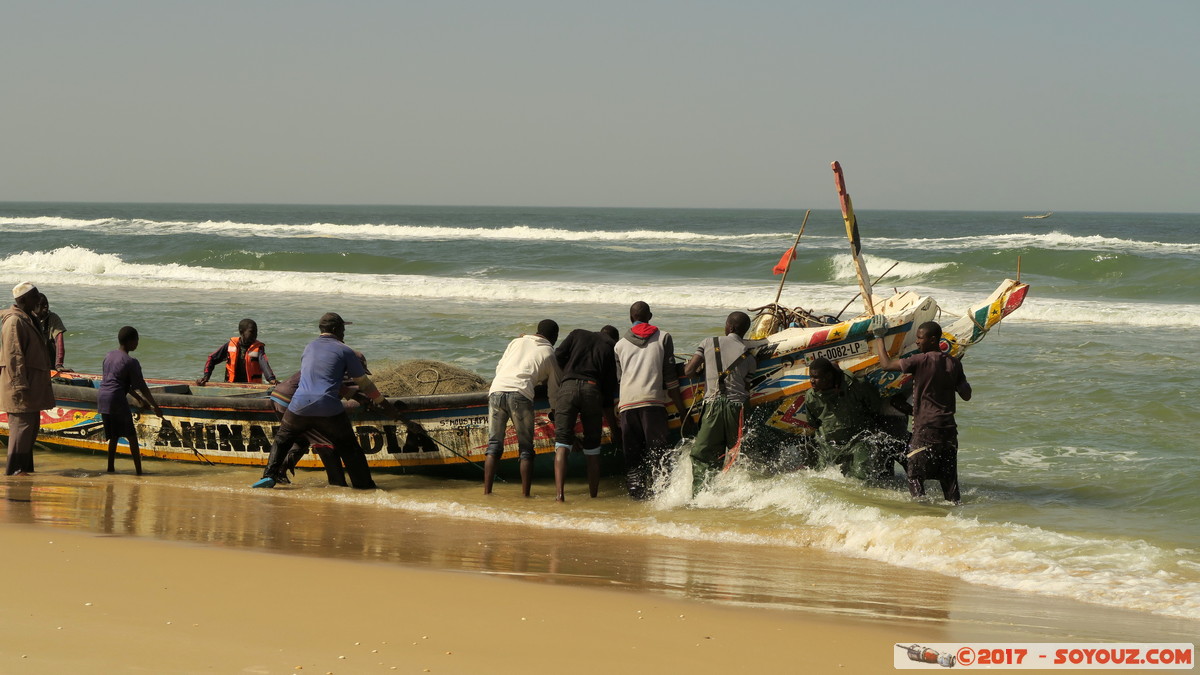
(886, 362)
(219, 356)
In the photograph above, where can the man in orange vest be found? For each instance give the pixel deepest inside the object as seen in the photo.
(244, 356)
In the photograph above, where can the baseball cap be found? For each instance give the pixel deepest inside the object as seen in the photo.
(332, 321)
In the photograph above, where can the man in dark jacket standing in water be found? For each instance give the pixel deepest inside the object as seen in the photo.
(646, 369)
(587, 392)
(937, 377)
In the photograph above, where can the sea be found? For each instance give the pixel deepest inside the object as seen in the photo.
(1078, 456)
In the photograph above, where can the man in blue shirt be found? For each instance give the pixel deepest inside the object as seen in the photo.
(317, 405)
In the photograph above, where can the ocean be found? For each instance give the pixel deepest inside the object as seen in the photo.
(1078, 452)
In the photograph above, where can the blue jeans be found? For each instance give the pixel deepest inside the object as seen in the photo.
(503, 406)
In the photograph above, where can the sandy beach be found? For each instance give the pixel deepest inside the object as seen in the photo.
(115, 573)
(88, 604)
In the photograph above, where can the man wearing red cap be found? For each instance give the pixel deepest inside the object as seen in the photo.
(25, 389)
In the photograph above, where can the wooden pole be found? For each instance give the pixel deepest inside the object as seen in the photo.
(860, 267)
(789, 266)
(877, 280)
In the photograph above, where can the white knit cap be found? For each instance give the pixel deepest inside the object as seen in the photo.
(22, 288)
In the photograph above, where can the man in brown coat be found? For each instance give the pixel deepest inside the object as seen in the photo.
(25, 389)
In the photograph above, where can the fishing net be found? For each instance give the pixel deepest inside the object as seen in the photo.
(421, 377)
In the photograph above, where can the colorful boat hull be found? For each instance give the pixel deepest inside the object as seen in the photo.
(236, 424)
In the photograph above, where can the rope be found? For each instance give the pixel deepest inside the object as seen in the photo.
(438, 378)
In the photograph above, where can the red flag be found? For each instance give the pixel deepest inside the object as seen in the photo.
(785, 262)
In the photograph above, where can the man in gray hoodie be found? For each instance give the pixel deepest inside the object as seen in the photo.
(646, 370)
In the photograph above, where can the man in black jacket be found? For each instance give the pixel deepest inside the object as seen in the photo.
(587, 392)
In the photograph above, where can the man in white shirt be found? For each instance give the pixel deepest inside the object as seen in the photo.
(527, 362)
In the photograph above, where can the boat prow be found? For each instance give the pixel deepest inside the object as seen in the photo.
(781, 380)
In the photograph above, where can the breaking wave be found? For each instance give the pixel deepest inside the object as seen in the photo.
(758, 240)
(77, 266)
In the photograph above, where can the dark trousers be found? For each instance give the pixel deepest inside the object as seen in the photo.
(936, 459)
(22, 432)
(579, 400)
(646, 442)
(340, 434)
(320, 446)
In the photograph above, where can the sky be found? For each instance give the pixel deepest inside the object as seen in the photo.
(1017, 106)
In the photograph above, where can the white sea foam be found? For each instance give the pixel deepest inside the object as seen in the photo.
(1041, 309)
(77, 266)
(1115, 572)
(843, 268)
(799, 510)
(376, 232)
(757, 240)
(1048, 457)
(1048, 240)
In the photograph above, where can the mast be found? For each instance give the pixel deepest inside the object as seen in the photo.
(860, 267)
(779, 293)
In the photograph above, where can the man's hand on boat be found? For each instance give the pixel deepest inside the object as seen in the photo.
(201, 381)
(387, 407)
(879, 326)
(145, 404)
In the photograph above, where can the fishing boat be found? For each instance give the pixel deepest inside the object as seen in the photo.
(236, 424)
(1039, 216)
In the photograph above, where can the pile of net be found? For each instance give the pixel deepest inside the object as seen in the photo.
(421, 377)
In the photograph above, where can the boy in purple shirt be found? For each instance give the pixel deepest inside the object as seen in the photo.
(123, 375)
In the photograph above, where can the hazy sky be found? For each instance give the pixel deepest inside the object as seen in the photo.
(1090, 105)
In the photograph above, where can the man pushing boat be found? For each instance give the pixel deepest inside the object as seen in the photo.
(937, 377)
(648, 382)
(727, 363)
(317, 404)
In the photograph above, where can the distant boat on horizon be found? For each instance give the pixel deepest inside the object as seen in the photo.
(1040, 216)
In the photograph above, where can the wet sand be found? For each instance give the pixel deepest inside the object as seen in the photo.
(189, 576)
(89, 603)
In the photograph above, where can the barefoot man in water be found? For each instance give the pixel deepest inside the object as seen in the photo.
(528, 361)
(587, 392)
(937, 377)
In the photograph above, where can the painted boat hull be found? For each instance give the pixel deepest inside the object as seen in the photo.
(236, 424)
